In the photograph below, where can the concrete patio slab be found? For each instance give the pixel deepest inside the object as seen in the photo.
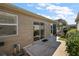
(40, 48)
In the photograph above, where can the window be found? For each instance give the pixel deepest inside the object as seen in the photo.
(8, 24)
(38, 30)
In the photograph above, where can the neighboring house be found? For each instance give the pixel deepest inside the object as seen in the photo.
(60, 23)
(77, 22)
(21, 26)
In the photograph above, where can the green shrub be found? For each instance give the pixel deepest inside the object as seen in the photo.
(70, 32)
(72, 43)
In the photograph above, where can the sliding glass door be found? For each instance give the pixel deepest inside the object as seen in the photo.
(42, 30)
(38, 28)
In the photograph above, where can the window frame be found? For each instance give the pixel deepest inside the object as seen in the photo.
(16, 24)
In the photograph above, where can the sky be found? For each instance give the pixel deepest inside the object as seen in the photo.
(54, 11)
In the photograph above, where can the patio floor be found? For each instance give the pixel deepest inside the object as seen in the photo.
(39, 48)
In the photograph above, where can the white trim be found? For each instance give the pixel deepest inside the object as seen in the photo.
(7, 24)
(10, 24)
(17, 24)
(8, 35)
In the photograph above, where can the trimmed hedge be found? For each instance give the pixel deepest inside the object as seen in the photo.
(72, 43)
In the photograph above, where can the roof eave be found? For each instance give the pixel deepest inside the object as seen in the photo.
(25, 11)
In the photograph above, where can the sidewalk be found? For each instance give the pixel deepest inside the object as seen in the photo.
(61, 49)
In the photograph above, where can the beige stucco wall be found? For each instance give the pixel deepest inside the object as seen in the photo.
(25, 32)
(78, 25)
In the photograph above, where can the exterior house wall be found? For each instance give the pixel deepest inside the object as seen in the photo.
(25, 31)
(77, 21)
(78, 25)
